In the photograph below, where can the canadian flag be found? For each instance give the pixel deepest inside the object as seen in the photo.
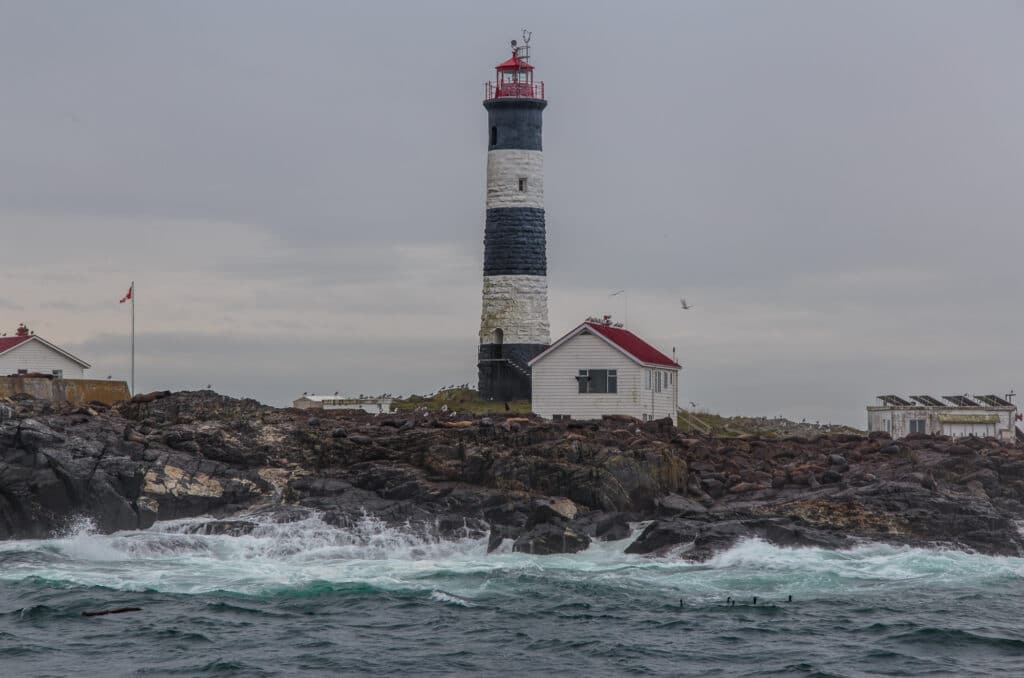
(129, 295)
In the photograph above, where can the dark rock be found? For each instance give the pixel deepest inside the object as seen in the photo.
(831, 476)
(550, 538)
(360, 439)
(714, 488)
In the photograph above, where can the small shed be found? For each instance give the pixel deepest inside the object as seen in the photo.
(336, 402)
(956, 416)
(27, 353)
(602, 368)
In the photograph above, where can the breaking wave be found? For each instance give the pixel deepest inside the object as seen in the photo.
(175, 557)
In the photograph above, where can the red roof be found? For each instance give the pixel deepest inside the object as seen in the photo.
(7, 343)
(632, 344)
(514, 63)
(623, 339)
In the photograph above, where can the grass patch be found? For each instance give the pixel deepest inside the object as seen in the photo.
(461, 400)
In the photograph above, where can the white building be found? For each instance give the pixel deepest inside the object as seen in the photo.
(28, 353)
(336, 402)
(956, 416)
(600, 368)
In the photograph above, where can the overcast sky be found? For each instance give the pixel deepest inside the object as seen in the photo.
(297, 189)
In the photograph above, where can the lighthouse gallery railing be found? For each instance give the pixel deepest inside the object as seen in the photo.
(513, 90)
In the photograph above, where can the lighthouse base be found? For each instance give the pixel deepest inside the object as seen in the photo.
(503, 371)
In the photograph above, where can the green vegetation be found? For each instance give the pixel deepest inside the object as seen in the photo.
(460, 399)
(777, 427)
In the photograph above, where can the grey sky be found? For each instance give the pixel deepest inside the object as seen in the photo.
(298, 189)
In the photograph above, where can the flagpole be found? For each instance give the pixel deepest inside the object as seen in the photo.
(133, 337)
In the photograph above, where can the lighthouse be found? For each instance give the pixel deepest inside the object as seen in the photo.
(514, 322)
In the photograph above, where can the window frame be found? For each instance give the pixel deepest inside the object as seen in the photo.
(585, 380)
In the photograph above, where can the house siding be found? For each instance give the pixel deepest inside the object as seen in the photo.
(34, 356)
(556, 391)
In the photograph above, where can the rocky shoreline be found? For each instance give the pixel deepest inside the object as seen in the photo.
(548, 487)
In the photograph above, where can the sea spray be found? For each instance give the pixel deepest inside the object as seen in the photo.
(307, 597)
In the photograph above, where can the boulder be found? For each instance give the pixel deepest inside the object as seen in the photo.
(551, 538)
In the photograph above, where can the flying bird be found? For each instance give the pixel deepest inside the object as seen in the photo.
(686, 306)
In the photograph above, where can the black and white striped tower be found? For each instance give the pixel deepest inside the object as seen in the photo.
(514, 323)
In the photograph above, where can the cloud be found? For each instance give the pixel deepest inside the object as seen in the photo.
(299, 196)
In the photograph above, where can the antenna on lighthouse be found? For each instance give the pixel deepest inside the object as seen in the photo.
(523, 51)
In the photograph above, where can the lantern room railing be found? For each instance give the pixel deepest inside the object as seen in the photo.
(514, 90)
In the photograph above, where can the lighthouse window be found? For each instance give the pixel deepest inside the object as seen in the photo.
(494, 136)
(522, 184)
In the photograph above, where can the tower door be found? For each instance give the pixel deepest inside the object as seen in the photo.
(499, 339)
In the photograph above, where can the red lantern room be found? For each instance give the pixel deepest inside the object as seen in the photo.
(514, 77)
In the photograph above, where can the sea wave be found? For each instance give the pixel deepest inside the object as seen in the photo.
(310, 554)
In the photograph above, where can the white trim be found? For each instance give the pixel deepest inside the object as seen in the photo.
(64, 353)
(579, 330)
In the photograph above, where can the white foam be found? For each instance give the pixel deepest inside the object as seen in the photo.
(171, 558)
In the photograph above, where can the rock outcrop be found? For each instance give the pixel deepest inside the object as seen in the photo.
(546, 487)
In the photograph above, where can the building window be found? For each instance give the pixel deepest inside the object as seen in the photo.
(59, 374)
(22, 371)
(658, 376)
(560, 417)
(917, 425)
(522, 184)
(598, 381)
(494, 136)
(647, 379)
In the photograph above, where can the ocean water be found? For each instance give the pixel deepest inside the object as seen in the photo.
(309, 599)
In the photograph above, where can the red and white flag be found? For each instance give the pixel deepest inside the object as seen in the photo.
(129, 295)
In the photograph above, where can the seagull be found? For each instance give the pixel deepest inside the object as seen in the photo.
(693, 404)
(686, 306)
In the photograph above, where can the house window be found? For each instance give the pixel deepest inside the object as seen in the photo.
(658, 374)
(647, 379)
(917, 425)
(560, 417)
(522, 184)
(59, 374)
(598, 381)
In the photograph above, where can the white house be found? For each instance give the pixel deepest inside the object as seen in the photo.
(28, 353)
(956, 416)
(336, 402)
(600, 368)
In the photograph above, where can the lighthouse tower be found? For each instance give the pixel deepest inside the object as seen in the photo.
(514, 322)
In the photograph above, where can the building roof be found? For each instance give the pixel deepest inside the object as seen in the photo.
(347, 399)
(983, 402)
(619, 338)
(514, 64)
(9, 343)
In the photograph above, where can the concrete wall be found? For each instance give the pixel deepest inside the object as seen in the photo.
(556, 391)
(35, 356)
(58, 391)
